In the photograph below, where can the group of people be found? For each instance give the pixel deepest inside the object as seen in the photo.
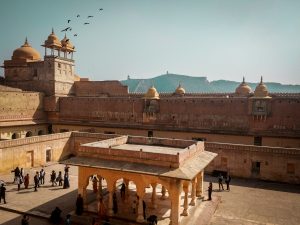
(220, 182)
(61, 180)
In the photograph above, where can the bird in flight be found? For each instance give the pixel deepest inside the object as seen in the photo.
(90, 16)
(75, 35)
(86, 23)
(78, 15)
(66, 29)
(100, 9)
(69, 21)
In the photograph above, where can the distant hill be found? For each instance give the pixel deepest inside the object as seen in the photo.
(169, 82)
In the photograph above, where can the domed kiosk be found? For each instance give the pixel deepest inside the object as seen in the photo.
(261, 90)
(26, 52)
(152, 93)
(179, 90)
(243, 89)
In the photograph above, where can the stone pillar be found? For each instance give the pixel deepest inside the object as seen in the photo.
(111, 189)
(99, 194)
(153, 199)
(140, 193)
(83, 182)
(199, 185)
(126, 182)
(186, 195)
(193, 193)
(163, 193)
(175, 202)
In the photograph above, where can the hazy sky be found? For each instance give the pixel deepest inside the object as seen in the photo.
(219, 39)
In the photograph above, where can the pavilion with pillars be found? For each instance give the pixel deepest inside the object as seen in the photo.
(176, 165)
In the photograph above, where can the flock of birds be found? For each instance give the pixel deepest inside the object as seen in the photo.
(85, 23)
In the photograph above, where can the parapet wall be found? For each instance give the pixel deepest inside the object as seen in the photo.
(261, 162)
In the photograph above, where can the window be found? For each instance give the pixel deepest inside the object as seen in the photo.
(35, 73)
(290, 168)
(28, 134)
(59, 65)
(198, 139)
(48, 155)
(40, 132)
(258, 140)
(255, 168)
(14, 136)
(150, 133)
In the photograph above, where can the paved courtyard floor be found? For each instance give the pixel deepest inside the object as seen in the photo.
(249, 202)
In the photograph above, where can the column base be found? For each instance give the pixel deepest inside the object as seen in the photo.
(140, 219)
(184, 213)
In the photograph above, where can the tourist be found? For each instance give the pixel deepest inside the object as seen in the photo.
(59, 179)
(2, 193)
(26, 181)
(68, 219)
(53, 178)
(115, 203)
(227, 181)
(25, 220)
(209, 190)
(122, 190)
(19, 182)
(22, 173)
(36, 181)
(66, 169)
(66, 181)
(17, 173)
(220, 181)
(42, 176)
(79, 205)
(55, 216)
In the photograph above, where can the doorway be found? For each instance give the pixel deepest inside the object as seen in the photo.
(29, 159)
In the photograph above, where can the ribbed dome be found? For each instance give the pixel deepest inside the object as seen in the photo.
(53, 41)
(243, 89)
(152, 93)
(261, 90)
(66, 44)
(26, 52)
(180, 90)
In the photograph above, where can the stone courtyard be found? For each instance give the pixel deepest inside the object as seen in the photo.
(249, 202)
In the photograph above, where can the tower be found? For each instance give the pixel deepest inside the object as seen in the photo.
(58, 66)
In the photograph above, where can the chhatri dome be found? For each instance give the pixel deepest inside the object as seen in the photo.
(26, 52)
(243, 88)
(180, 90)
(261, 90)
(152, 93)
(66, 44)
(52, 41)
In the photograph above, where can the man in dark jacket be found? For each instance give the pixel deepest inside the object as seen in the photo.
(2, 193)
(36, 181)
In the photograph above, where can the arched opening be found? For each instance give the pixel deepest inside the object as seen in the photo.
(50, 129)
(28, 134)
(40, 132)
(14, 136)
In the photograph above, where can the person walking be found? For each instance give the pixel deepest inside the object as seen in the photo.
(220, 181)
(42, 176)
(79, 205)
(115, 203)
(25, 220)
(19, 182)
(17, 173)
(59, 179)
(2, 193)
(66, 181)
(227, 181)
(26, 181)
(209, 190)
(122, 190)
(144, 209)
(36, 181)
(53, 178)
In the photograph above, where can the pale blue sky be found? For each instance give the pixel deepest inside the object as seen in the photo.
(219, 39)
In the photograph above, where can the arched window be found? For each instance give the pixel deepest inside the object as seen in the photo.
(28, 134)
(14, 136)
